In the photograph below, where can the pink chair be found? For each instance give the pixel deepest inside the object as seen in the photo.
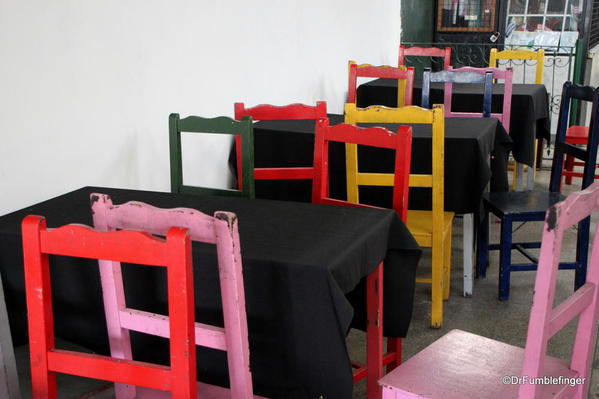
(463, 365)
(221, 230)
(444, 53)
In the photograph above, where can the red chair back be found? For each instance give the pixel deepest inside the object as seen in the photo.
(174, 253)
(444, 53)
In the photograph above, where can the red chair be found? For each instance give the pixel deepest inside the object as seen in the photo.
(404, 76)
(575, 135)
(266, 112)
(402, 144)
(444, 53)
(174, 253)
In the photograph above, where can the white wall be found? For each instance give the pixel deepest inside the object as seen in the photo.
(86, 87)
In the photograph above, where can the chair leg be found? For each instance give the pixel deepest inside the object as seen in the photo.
(374, 332)
(447, 266)
(505, 257)
(437, 285)
(569, 166)
(9, 382)
(394, 346)
(468, 246)
(482, 245)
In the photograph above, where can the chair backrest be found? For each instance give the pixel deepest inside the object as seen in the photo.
(588, 155)
(522, 55)
(221, 230)
(400, 142)
(174, 253)
(546, 320)
(267, 112)
(444, 53)
(404, 76)
(449, 77)
(414, 115)
(242, 130)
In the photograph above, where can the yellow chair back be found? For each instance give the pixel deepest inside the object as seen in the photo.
(525, 55)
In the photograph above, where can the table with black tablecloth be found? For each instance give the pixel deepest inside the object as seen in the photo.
(304, 272)
(530, 116)
(469, 143)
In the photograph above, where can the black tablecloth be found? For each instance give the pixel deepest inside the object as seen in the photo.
(304, 267)
(468, 145)
(529, 117)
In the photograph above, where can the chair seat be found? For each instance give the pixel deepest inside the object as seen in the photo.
(521, 202)
(462, 365)
(420, 224)
(577, 134)
(205, 391)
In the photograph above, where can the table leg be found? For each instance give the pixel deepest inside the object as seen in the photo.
(519, 176)
(468, 247)
(530, 178)
(374, 331)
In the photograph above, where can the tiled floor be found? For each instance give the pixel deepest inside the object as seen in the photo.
(481, 314)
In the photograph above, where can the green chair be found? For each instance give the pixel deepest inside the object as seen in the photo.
(243, 132)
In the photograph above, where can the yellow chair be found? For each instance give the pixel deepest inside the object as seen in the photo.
(429, 228)
(523, 55)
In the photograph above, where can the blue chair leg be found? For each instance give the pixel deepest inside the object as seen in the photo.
(482, 244)
(582, 251)
(505, 257)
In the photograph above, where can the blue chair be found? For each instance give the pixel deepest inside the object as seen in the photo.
(449, 77)
(474, 76)
(528, 206)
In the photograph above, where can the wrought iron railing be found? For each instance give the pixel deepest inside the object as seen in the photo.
(559, 64)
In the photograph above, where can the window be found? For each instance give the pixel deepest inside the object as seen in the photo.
(548, 22)
(466, 15)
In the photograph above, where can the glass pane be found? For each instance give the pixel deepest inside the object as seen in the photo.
(554, 24)
(519, 23)
(536, 6)
(534, 23)
(517, 6)
(556, 6)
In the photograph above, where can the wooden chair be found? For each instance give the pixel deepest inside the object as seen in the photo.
(401, 143)
(464, 365)
(575, 135)
(9, 381)
(530, 206)
(430, 228)
(128, 246)
(404, 76)
(449, 77)
(523, 55)
(444, 53)
(221, 230)
(242, 130)
(266, 112)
